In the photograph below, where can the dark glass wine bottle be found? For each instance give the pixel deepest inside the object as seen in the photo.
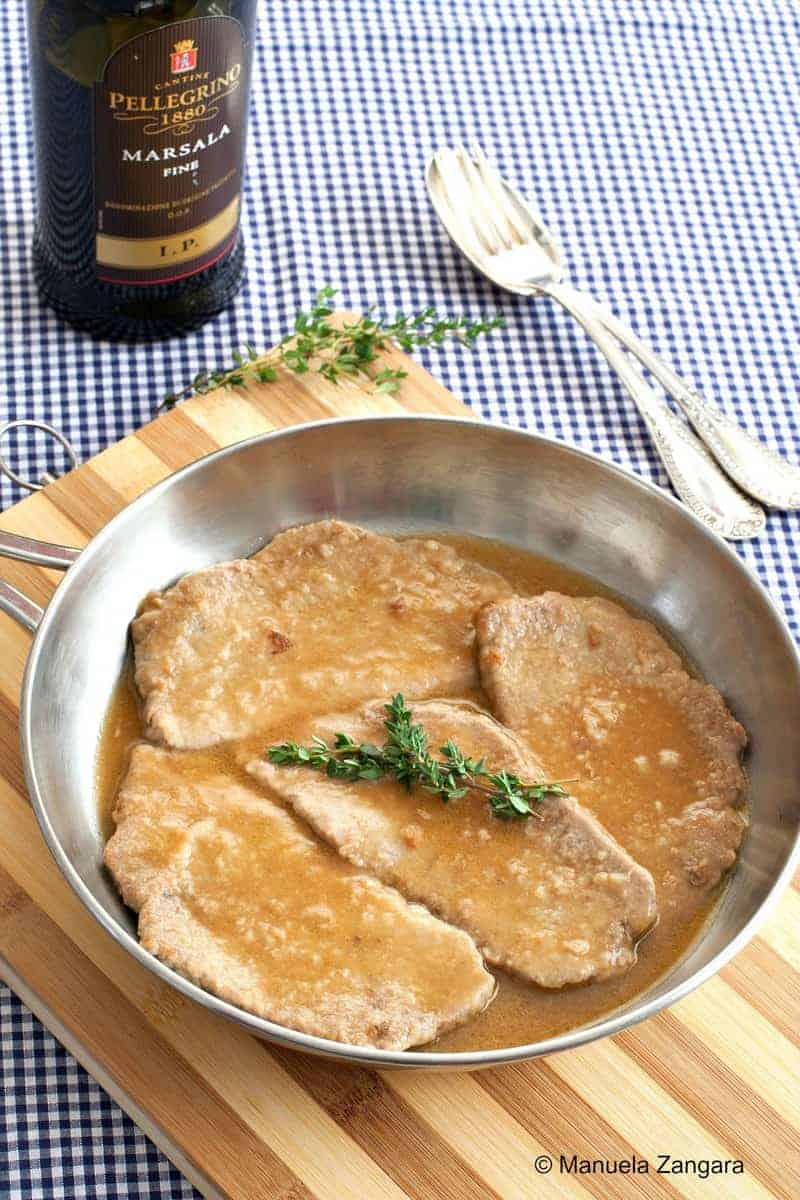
(140, 112)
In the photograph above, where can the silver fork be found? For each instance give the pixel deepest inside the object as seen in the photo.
(501, 235)
(757, 469)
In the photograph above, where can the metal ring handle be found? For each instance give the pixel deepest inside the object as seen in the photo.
(30, 423)
(13, 602)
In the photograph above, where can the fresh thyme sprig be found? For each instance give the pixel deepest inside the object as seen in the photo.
(405, 755)
(352, 349)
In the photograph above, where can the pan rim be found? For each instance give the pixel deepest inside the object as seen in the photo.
(279, 1034)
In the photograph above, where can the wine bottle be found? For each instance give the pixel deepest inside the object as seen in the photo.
(140, 112)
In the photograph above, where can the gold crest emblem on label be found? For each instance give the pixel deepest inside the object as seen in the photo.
(183, 57)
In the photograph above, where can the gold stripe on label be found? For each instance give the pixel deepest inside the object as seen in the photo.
(170, 251)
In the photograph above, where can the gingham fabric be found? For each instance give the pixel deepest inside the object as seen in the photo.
(660, 140)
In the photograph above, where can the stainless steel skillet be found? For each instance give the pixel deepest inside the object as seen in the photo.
(411, 473)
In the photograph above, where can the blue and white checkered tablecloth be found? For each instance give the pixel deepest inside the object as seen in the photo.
(661, 141)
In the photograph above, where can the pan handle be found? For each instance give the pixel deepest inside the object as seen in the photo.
(31, 550)
(17, 605)
(42, 554)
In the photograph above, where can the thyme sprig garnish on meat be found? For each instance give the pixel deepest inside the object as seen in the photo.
(337, 352)
(405, 755)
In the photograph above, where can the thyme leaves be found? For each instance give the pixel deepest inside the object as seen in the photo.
(406, 757)
(338, 351)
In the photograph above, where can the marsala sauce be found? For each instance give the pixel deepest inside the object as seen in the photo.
(520, 1012)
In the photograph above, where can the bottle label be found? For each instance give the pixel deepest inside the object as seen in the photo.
(169, 126)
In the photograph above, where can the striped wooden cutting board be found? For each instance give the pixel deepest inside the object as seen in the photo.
(716, 1077)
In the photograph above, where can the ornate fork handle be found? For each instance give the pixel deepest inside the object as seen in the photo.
(696, 477)
(756, 468)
